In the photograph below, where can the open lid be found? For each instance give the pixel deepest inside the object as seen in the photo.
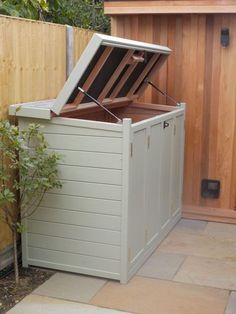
(111, 68)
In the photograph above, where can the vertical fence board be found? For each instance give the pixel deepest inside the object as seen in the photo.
(81, 39)
(32, 67)
(32, 61)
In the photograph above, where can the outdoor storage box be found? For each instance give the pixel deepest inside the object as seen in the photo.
(122, 180)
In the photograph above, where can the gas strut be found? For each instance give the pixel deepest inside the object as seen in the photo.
(99, 104)
(163, 93)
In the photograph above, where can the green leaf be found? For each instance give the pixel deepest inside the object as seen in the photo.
(18, 108)
(20, 228)
(25, 151)
(7, 196)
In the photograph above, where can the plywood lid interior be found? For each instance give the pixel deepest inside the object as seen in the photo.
(111, 68)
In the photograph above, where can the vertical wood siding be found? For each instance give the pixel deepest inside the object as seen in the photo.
(201, 73)
(81, 39)
(32, 66)
(31, 53)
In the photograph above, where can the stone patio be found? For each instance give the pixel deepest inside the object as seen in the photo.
(192, 271)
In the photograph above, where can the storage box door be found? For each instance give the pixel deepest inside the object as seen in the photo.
(136, 215)
(165, 178)
(177, 164)
(153, 182)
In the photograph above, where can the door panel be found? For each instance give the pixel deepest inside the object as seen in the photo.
(165, 179)
(136, 216)
(153, 183)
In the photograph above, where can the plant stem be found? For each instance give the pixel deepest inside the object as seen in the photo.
(16, 267)
(32, 211)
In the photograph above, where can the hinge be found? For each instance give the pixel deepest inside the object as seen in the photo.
(148, 141)
(131, 149)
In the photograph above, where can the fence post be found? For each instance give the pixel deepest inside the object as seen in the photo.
(69, 50)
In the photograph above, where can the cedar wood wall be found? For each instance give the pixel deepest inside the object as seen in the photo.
(203, 74)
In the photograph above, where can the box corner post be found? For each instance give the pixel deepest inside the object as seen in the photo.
(183, 105)
(125, 199)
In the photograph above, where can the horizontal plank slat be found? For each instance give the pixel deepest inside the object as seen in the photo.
(84, 204)
(84, 143)
(87, 174)
(76, 130)
(169, 7)
(71, 121)
(87, 262)
(91, 220)
(104, 191)
(91, 159)
(74, 246)
(74, 232)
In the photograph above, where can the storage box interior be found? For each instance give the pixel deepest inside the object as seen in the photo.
(135, 111)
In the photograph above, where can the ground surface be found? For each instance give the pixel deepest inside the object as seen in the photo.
(30, 278)
(192, 271)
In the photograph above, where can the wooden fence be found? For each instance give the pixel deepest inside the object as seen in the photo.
(33, 61)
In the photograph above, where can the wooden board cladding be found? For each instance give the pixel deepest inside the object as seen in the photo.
(169, 7)
(32, 67)
(33, 59)
(81, 39)
(201, 73)
(31, 53)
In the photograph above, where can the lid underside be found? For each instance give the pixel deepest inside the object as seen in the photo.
(111, 68)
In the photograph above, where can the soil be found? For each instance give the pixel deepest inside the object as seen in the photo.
(30, 279)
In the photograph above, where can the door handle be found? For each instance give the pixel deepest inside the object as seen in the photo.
(166, 124)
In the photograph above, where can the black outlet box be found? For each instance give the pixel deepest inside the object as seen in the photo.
(210, 188)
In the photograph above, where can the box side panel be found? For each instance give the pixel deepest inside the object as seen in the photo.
(77, 228)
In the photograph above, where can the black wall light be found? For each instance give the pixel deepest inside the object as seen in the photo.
(224, 38)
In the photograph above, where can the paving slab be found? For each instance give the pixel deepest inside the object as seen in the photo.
(220, 229)
(161, 265)
(152, 296)
(189, 225)
(208, 272)
(203, 245)
(71, 287)
(35, 304)
(231, 307)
